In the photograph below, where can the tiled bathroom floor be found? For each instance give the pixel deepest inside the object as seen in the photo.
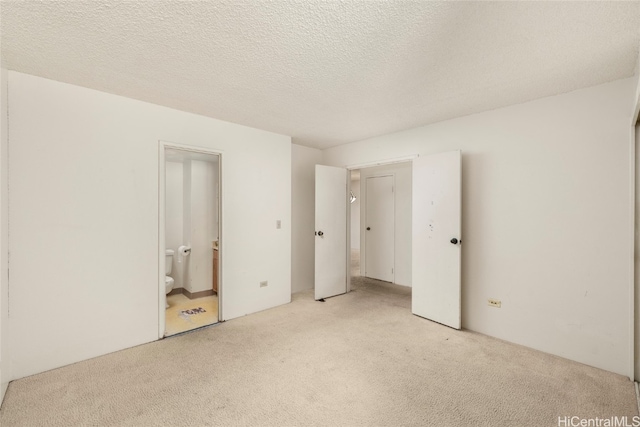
(185, 314)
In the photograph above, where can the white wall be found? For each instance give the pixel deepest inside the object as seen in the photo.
(174, 198)
(402, 227)
(545, 218)
(204, 182)
(303, 161)
(83, 213)
(5, 354)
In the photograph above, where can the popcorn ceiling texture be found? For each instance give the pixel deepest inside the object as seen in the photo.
(324, 72)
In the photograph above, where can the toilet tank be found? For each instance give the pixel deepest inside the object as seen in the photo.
(168, 261)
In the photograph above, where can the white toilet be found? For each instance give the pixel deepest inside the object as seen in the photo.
(168, 281)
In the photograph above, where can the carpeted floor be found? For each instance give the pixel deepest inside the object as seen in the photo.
(359, 359)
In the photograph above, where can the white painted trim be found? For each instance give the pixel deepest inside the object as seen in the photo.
(635, 115)
(632, 200)
(163, 145)
(220, 239)
(383, 162)
(348, 232)
(632, 234)
(6, 374)
(161, 240)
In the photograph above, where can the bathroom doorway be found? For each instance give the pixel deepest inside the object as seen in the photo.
(190, 241)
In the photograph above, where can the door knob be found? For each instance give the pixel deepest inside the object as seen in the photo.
(320, 233)
(454, 241)
(368, 228)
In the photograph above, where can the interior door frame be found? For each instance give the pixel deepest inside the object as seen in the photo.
(162, 146)
(634, 288)
(357, 166)
(634, 197)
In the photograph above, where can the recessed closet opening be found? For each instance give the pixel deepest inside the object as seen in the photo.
(190, 240)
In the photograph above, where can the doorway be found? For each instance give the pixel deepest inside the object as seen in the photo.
(433, 227)
(190, 244)
(384, 206)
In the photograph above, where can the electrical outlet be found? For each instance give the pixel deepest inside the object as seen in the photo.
(495, 303)
(278, 224)
(263, 284)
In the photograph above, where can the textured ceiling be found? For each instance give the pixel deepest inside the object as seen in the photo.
(324, 72)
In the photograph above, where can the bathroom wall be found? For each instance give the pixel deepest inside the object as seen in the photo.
(204, 229)
(192, 220)
(174, 218)
(84, 172)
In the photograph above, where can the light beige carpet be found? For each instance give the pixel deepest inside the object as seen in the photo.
(360, 359)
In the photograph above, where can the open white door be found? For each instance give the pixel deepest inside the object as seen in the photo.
(331, 232)
(436, 249)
